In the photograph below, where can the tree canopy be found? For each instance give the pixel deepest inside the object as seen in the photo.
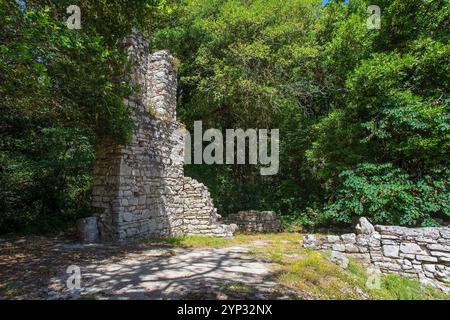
(363, 113)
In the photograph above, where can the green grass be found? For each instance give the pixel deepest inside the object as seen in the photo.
(196, 241)
(309, 271)
(405, 289)
(191, 241)
(237, 287)
(310, 274)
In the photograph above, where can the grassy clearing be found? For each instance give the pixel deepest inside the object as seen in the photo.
(310, 274)
(216, 242)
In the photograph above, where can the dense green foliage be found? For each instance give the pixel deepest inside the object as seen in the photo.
(60, 91)
(364, 115)
(344, 97)
(390, 195)
(251, 64)
(393, 127)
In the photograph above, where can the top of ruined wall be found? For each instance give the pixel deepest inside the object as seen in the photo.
(421, 253)
(156, 75)
(416, 234)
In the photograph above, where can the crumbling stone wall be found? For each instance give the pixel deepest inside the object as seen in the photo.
(421, 253)
(140, 189)
(255, 221)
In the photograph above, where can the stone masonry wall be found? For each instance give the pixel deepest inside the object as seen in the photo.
(420, 253)
(140, 189)
(255, 221)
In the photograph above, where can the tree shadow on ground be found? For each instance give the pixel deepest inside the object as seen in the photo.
(35, 268)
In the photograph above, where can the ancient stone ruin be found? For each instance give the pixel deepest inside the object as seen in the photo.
(420, 253)
(140, 189)
(255, 221)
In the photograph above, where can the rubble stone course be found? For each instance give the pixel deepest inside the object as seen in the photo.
(255, 221)
(420, 253)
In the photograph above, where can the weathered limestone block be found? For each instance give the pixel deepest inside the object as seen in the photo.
(390, 250)
(413, 248)
(339, 258)
(334, 239)
(339, 247)
(445, 233)
(351, 248)
(348, 238)
(363, 240)
(426, 258)
(439, 247)
(87, 229)
(364, 227)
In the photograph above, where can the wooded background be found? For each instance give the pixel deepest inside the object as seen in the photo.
(364, 115)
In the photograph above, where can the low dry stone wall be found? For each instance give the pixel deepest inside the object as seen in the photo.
(255, 221)
(140, 189)
(420, 253)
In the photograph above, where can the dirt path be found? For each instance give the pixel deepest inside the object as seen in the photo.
(167, 273)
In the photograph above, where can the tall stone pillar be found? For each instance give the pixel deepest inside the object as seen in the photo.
(140, 189)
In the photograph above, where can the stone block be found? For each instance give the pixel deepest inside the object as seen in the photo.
(391, 250)
(339, 247)
(362, 257)
(339, 258)
(351, 248)
(439, 247)
(364, 227)
(87, 229)
(348, 238)
(411, 248)
(426, 258)
(440, 254)
(333, 239)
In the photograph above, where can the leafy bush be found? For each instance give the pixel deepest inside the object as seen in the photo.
(389, 195)
(61, 91)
